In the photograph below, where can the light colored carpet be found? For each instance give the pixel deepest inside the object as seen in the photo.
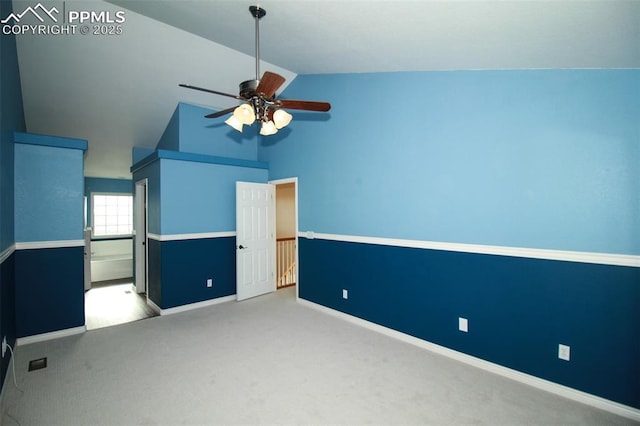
(266, 360)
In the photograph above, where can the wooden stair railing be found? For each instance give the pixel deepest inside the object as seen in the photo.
(286, 262)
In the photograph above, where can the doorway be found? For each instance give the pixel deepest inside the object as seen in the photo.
(286, 233)
(118, 298)
(114, 302)
(140, 237)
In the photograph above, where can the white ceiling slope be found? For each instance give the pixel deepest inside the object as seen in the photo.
(119, 91)
(330, 36)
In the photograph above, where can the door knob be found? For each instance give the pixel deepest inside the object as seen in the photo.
(241, 247)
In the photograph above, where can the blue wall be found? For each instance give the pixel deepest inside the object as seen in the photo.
(533, 159)
(11, 119)
(49, 290)
(544, 159)
(49, 209)
(189, 131)
(191, 185)
(178, 270)
(519, 309)
(115, 186)
(190, 195)
(49, 190)
(211, 136)
(200, 197)
(170, 139)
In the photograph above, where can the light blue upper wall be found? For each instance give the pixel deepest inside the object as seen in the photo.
(170, 138)
(198, 197)
(49, 192)
(113, 186)
(542, 159)
(211, 136)
(139, 153)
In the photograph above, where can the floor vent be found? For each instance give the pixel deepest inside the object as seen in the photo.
(38, 364)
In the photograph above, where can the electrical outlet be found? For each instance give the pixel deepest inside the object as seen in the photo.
(345, 294)
(564, 352)
(463, 324)
(209, 282)
(4, 345)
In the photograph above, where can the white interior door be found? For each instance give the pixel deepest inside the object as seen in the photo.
(255, 239)
(140, 238)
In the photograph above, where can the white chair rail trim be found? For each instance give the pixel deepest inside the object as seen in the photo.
(49, 244)
(195, 236)
(533, 253)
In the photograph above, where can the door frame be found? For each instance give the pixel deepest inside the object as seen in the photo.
(141, 220)
(293, 180)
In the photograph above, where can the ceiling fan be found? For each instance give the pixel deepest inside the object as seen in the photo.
(259, 102)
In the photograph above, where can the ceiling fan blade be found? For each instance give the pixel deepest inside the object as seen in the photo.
(304, 105)
(269, 83)
(221, 113)
(215, 92)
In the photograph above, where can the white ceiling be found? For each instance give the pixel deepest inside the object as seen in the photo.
(120, 91)
(320, 36)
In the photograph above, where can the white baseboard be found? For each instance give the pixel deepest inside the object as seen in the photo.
(190, 306)
(153, 306)
(555, 388)
(50, 336)
(4, 386)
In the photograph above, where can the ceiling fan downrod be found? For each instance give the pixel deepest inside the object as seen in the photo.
(257, 12)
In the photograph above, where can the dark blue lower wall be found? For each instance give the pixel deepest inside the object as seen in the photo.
(7, 310)
(49, 290)
(178, 270)
(154, 271)
(519, 309)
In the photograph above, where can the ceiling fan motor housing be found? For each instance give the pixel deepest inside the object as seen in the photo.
(260, 93)
(248, 88)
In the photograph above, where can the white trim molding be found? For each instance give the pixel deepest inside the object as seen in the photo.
(196, 236)
(190, 306)
(4, 255)
(20, 341)
(545, 385)
(533, 253)
(49, 244)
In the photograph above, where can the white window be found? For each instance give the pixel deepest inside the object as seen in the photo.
(112, 215)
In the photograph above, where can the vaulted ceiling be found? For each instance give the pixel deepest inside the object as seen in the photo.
(119, 91)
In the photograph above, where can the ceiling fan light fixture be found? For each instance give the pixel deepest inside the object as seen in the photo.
(245, 114)
(258, 96)
(268, 128)
(234, 122)
(281, 118)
